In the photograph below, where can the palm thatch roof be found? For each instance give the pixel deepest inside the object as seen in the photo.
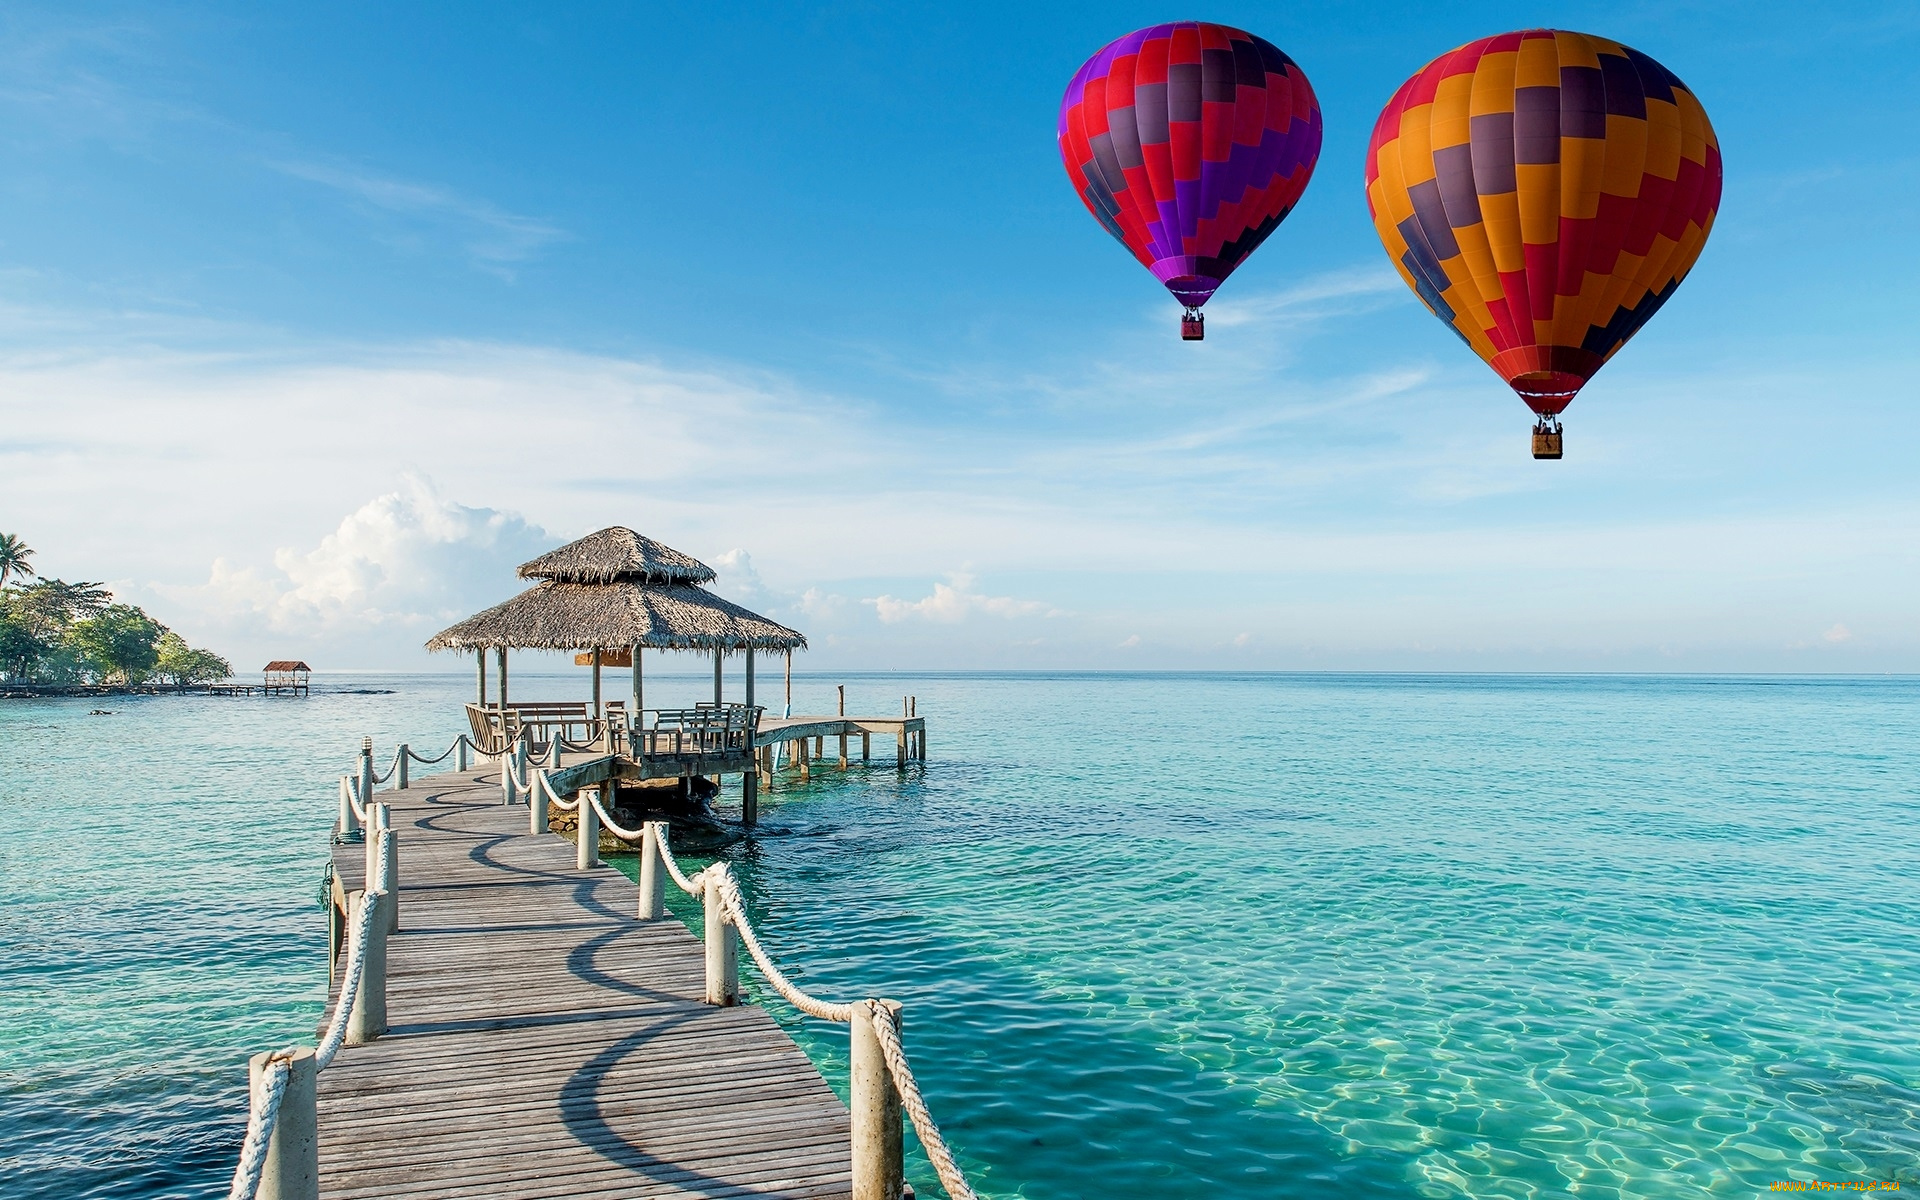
(556, 615)
(617, 553)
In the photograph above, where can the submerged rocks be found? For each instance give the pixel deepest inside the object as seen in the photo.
(686, 804)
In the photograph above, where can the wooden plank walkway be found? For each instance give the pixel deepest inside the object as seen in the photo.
(544, 1043)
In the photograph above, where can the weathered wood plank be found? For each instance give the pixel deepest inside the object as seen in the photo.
(545, 1044)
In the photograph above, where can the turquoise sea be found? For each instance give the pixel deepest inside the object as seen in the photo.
(1157, 935)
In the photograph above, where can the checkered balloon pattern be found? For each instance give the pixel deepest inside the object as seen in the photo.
(1190, 143)
(1544, 193)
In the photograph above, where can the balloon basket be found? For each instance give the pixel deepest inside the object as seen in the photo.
(1193, 327)
(1546, 441)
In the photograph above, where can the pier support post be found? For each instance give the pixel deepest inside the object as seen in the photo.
(292, 1169)
(900, 747)
(723, 959)
(653, 872)
(800, 756)
(842, 689)
(369, 1017)
(390, 867)
(537, 808)
(750, 799)
(878, 1160)
(866, 746)
(400, 768)
(347, 823)
(588, 834)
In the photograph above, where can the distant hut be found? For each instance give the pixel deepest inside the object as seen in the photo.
(613, 594)
(287, 675)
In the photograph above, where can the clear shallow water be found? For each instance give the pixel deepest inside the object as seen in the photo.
(1169, 936)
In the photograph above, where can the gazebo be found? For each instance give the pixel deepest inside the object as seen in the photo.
(614, 594)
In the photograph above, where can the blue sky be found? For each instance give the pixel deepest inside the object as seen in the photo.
(313, 323)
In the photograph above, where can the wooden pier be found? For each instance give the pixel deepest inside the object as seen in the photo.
(541, 1042)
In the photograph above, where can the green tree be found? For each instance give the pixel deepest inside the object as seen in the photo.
(14, 554)
(120, 643)
(49, 606)
(183, 666)
(20, 650)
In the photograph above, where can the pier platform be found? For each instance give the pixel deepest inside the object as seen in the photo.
(541, 1042)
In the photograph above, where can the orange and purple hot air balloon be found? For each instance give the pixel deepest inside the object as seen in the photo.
(1190, 143)
(1544, 193)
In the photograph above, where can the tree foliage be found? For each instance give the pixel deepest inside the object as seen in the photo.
(120, 644)
(183, 666)
(14, 554)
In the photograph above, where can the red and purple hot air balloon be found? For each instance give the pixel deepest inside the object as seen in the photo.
(1190, 143)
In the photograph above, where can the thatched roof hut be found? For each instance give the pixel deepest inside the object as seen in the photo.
(617, 553)
(615, 588)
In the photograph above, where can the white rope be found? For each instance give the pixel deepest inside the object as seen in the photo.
(718, 875)
(391, 768)
(425, 761)
(553, 797)
(356, 962)
(262, 1113)
(692, 887)
(617, 829)
(888, 1035)
(350, 788)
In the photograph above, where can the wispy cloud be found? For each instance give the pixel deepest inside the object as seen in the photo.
(955, 601)
(492, 237)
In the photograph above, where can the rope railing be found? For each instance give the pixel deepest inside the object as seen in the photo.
(553, 798)
(350, 793)
(883, 1018)
(268, 1093)
(424, 761)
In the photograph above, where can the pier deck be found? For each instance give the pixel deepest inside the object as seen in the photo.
(544, 1043)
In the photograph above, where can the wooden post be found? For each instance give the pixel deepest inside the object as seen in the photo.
(598, 712)
(789, 683)
(588, 854)
(366, 771)
(503, 679)
(480, 657)
(900, 747)
(537, 807)
(653, 872)
(400, 769)
(866, 745)
(750, 799)
(347, 822)
(718, 657)
(369, 1018)
(639, 699)
(460, 754)
(390, 853)
(842, 689)
(749, 677)
(878, 1164)
(723, 960)
(800, 756)
(292, 1169)
(371, 859)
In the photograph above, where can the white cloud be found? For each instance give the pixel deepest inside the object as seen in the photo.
(491, 236)
(955, 601)
(396, 570)
(1132, 641)
(1839, 633)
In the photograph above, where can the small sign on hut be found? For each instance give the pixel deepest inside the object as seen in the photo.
(288, 675)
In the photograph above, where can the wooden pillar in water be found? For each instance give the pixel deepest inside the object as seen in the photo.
(639, 699)
(750, 781)
(842, 689)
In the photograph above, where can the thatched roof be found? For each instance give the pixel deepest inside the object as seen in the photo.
(579, 616)
(286, 664)
(617, 553)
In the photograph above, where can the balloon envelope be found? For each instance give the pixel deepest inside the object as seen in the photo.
(1190, 143)
(1544, 193)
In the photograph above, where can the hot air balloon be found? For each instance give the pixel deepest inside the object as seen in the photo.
(1544, 193)
(1190, 143)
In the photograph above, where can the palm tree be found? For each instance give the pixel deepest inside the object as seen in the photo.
(14, 554)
